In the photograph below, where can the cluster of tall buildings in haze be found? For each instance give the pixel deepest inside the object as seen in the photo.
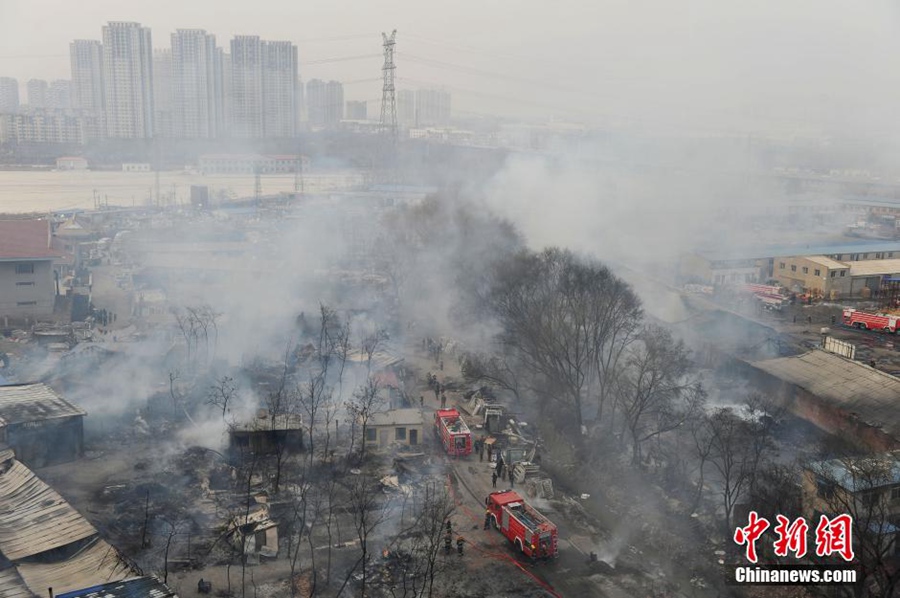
(123, 88)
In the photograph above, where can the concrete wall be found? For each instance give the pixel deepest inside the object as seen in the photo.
(29, 294)
(385, 435)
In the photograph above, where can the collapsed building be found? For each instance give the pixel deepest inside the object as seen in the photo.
(42, 427)
(266, 434)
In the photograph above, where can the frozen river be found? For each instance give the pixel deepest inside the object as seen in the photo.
(22, 192)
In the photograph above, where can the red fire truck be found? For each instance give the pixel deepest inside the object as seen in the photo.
(765, 289)
(529, 531)
(453, 431)
(868, 321)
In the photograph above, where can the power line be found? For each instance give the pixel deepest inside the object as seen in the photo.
(339, 59)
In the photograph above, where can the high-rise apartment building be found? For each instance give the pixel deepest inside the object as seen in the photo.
(86, 57)
(197, 84)
(246, 86)
(406, 107)
(356, 110)
(37, 90)
(223, 64)
(279, 79)
(263, 88)
(128, 80)
(9, 95)
(325, 101)
(163, 94)
(432, 107)
(59, 96)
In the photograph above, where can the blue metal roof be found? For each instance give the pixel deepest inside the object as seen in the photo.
(840, 471)
(749, 253)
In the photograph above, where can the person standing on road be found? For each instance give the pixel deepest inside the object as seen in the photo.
(487, 518)
(494, 479)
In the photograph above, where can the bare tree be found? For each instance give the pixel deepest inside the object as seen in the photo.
(221, 393)
(737, 448)
(493, 369)
(566, 319)
(368, 513)
(365, 403)
(656, 393)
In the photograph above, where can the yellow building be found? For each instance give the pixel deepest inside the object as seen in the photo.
(815, 274)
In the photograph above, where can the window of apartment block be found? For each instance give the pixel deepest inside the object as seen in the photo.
(895, 493)
(400, 433)
(805, 270)
(24, 268)
(817, 272)
(843, 273)
(833, 272)
(371, 434)
(781, 266)
(25, 284)
(793, 267)
(25, 303)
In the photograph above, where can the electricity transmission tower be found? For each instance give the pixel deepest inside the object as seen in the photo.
(388, 97)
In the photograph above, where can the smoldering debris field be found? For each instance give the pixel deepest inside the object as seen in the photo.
(318, 397)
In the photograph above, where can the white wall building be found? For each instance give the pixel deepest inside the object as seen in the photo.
(86, 57)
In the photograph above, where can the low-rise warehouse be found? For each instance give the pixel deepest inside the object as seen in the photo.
(840, 396)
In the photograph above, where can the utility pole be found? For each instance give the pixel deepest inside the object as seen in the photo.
(388, 97)
(257, 181)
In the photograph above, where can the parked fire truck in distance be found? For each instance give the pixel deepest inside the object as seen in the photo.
(868, 321)
(453, 431)
(764, 289)
(529, 531)
(770, 296)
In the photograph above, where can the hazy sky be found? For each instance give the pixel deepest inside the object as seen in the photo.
(785, 65)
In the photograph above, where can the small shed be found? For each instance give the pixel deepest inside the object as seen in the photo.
(267, 434)
(257, 531)
(39, 425)
(397, 426)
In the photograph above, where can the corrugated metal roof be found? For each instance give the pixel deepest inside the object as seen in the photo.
(748, 253)
(12, 585)
(875, 267)
(96, 564)
(33, 402)
(872, 395)
(138, 587)
(34, 518)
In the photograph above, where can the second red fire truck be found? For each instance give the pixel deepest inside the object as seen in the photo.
(530, 532)
(868, 321)
(453, 432)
